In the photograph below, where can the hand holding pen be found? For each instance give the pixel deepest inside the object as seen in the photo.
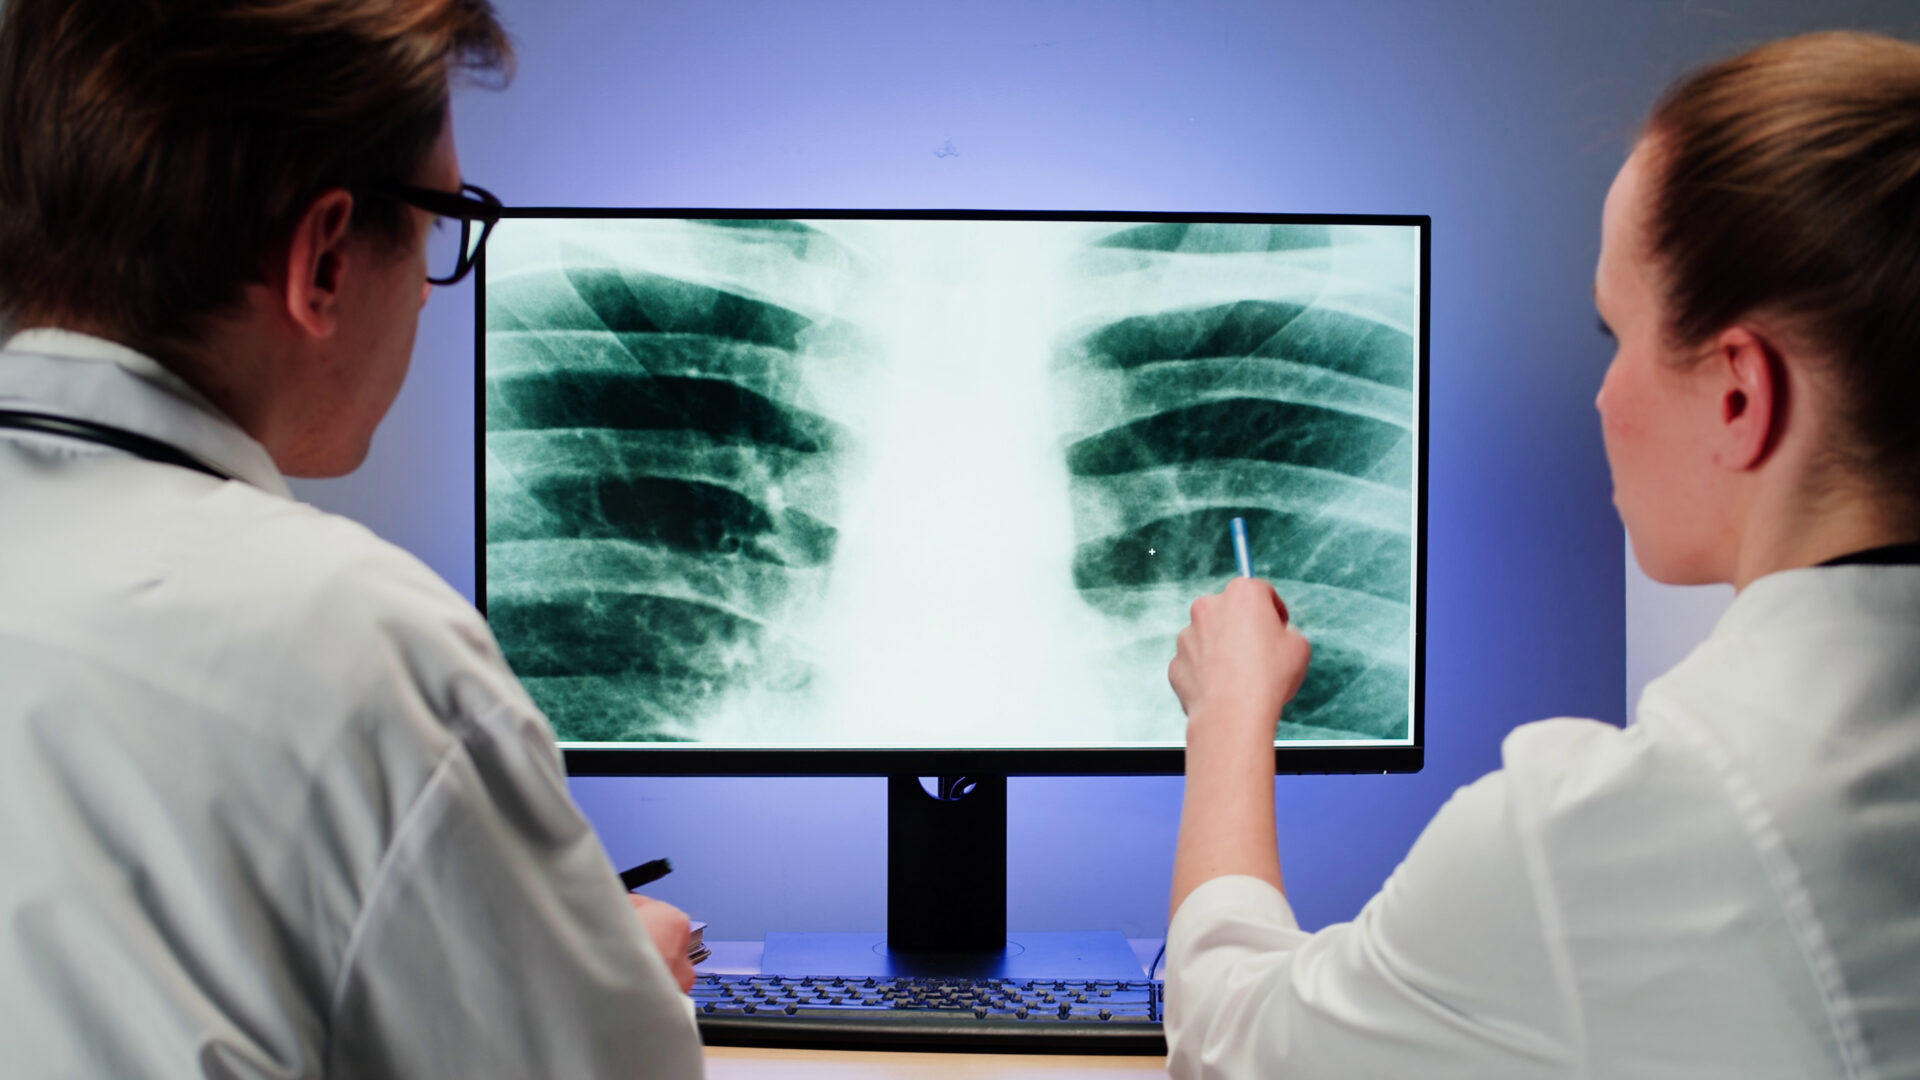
(1243, 559)
(667, 925)
(1239, 661)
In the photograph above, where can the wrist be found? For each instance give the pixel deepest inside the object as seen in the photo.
(1235, 724)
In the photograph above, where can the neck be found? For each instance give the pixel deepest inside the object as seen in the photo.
(220, 370)
(1787, 533)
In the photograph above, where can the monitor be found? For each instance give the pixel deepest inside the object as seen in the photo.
(929, 493)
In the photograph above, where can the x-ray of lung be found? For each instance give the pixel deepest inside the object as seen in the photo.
(942, 483)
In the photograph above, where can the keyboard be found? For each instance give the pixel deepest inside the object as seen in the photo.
(926, 1013)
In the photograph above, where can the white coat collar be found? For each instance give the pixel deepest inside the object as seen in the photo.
(1793, 599)
(65, 373)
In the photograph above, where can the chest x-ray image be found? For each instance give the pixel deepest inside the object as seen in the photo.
(940, 481)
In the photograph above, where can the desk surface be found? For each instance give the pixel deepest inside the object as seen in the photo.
(760, 1063)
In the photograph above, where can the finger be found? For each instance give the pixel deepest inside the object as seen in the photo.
(1279, 605)
(1177, 680)
(683, 973)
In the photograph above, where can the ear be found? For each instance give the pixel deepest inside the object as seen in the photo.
(317, 261)
(1751, 398)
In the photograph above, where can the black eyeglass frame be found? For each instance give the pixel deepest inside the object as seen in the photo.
(474, 203)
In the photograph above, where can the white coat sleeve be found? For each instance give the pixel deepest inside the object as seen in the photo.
(495, 939)
(1450, 971)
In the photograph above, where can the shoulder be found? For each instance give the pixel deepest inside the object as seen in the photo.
(292, 549)
(1593, 782)
(282, 602)
(1566, 760)
(373, 675)
(1642, 814)
(1630, 835)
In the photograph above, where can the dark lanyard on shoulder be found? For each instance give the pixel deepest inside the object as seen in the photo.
(131, 442)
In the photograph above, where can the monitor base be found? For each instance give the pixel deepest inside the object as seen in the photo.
(1095, 955)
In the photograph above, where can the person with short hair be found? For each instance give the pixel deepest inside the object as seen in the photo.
(1727, 886)
(271, 803)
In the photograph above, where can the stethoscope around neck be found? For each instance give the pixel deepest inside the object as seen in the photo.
(131, 442)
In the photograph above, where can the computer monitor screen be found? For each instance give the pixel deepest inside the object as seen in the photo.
(897, 482)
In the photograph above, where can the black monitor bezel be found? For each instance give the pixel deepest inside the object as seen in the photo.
(679, 759)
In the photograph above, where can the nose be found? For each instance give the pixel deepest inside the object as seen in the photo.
(426, 290)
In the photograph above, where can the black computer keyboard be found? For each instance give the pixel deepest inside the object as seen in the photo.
(894, 1012)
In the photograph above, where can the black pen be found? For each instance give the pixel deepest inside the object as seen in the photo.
(645, 874)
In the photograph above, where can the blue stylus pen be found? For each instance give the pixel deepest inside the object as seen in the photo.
(1240, 554)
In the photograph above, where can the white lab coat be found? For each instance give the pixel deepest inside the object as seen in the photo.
(271, 804)
(1730, 887)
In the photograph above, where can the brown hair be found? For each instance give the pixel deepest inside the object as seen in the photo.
(1787, 187)
(155, 155)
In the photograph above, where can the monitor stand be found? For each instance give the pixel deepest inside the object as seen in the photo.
(947, 902)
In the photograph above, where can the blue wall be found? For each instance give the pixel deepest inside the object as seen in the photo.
(1503, 119)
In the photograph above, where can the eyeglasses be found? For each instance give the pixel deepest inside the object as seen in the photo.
(450, 253)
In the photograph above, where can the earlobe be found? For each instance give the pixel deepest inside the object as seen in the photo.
(317, 264)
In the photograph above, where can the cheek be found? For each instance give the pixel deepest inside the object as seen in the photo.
(1630, 431)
